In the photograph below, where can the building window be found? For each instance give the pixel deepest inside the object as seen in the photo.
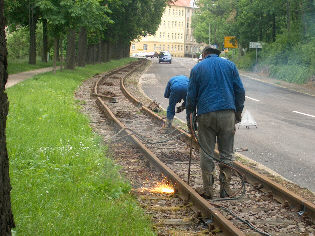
(163, 47)
(145, 47)
(168, 35)
(168, 47)
(133, 46)
(154, 47)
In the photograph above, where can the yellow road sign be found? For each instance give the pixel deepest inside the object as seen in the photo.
(230, 42)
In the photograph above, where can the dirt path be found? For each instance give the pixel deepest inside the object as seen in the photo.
(19, 77)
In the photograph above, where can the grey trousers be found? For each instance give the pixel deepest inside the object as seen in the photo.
(216, 127)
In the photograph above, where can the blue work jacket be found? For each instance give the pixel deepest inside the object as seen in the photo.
(175, 91)
(214, 85)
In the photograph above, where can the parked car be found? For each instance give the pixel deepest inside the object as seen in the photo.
(149, 54)
(152, 54)
(139, 54)
(165, 56)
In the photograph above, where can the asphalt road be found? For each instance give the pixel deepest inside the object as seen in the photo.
(284, 139)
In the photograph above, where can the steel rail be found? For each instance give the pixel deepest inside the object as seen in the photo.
(206, 209)
(280, 193)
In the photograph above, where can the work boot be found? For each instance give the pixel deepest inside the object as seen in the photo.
(208, 181)
(225, 179)
(168, 123)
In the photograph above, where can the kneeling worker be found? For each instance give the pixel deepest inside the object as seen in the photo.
(175, 91)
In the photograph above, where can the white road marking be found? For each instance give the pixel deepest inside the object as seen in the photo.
(256, 100)
(303, 114)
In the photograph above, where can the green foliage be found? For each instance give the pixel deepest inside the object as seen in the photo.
(18, 42)
(62, 182)
(290, 73)
(246, 62)
(285, 28)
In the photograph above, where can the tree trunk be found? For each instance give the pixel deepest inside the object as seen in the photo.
(71, 49)
(32, 30)
(82, 47)
(88, 54)
(55, 54)
(103, 51)
(61, 52)
(6, 222)
(99, 52)
(94, 53)
(274, 30)
(58, 54)
(45, 41)
(107, 51)
(288, 16)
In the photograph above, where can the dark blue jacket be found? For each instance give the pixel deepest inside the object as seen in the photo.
(214, 85)
(175, 91)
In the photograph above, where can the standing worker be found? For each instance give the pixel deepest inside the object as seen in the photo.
(216, 91)
(175, 91)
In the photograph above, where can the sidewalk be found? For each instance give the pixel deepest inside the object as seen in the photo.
(19, 77)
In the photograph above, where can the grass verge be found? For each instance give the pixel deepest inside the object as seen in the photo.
(62, 182)
(17, 66)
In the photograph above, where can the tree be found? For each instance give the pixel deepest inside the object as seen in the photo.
(7, 222)
(25, 13)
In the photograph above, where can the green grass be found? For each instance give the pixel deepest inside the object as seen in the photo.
(62, 181)
(17, 66)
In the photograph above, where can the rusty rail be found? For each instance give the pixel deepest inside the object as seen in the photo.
(279, 192)
(186, 192)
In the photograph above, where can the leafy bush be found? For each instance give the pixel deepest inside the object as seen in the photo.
(290, 73)
(245, 62)
(18, 42)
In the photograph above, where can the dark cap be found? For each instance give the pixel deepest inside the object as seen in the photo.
(211, 50)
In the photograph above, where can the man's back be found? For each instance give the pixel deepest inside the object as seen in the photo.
(216, 84)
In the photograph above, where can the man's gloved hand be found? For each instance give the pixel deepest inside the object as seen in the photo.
(238, 117)
(180, 109)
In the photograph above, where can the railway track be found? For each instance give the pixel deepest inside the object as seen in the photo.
(266, 208)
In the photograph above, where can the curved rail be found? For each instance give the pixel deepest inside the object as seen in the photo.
(205, 208)
(282, 194)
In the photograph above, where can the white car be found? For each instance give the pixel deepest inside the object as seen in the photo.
(165, 56)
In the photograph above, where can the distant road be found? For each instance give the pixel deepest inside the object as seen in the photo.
(285, 138)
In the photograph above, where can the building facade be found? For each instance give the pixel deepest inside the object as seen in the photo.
(174, 33)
